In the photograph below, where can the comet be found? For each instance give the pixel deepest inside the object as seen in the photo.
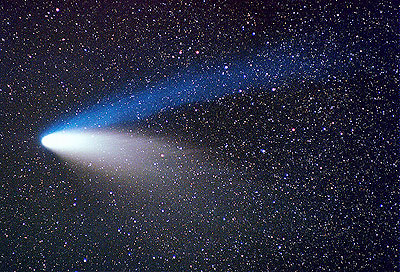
(75, 137)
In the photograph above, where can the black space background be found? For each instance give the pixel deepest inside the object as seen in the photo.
(316, 186)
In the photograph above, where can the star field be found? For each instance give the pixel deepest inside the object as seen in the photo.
(276, 128)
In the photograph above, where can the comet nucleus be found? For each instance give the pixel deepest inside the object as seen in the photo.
(67, 141)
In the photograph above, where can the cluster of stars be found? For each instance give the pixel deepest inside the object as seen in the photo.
(293, 152)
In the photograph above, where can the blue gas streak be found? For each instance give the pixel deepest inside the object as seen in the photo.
(260, 71)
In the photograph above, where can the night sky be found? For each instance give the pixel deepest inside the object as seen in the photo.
(277, 124)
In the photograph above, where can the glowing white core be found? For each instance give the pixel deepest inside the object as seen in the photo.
(67, 141)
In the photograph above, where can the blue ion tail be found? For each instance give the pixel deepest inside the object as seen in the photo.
(262, 71)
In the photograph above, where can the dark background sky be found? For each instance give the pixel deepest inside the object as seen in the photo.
(316, 181)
